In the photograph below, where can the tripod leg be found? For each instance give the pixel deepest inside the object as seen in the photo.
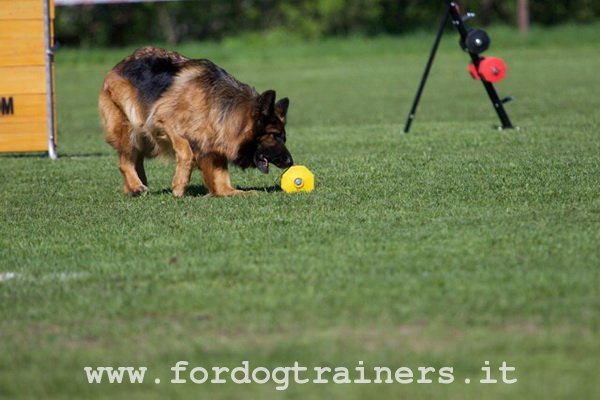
(436, 44)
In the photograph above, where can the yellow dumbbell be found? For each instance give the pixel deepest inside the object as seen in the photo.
(297, 178)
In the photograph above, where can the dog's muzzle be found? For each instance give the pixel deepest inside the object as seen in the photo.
(262, 162)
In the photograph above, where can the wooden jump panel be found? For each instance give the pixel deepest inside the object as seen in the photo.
(24, 82)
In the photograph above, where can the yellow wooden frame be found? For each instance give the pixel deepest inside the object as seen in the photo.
(27, 112)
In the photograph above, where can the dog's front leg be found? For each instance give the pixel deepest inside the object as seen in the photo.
(216, 176)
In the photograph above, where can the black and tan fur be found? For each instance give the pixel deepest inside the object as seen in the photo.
(158, 102)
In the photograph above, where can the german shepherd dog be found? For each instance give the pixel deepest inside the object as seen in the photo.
(160, 102)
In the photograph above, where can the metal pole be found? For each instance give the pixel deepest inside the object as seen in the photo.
(49, 57)
(436, 44)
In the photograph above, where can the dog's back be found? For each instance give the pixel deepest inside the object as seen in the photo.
(151, 71)
(154, 85)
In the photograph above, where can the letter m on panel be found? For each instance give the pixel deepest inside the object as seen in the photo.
(7, 106)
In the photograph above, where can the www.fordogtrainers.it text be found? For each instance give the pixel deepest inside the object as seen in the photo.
(283, 377)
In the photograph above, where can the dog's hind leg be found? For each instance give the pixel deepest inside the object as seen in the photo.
(139, 168)
(119, 134)
(184, 158)
(133, 185)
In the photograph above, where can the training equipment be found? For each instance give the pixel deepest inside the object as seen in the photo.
(487, 69)
(491, 69)
(27, 116)
(297, 178)
(476, 42)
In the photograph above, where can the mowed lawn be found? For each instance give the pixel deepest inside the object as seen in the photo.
(448, 247)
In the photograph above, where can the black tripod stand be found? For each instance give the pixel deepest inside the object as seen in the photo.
(452, 11)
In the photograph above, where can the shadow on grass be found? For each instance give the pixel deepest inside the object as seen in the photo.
(266, 189)
(24, 155)
(85, 155)
(60, 155)
(201, 190)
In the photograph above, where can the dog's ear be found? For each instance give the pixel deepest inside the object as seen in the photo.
(266, 103)
(281, 109)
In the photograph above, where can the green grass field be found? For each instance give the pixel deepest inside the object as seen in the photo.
(450, 246)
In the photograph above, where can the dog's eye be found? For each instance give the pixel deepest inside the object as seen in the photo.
(280, 136)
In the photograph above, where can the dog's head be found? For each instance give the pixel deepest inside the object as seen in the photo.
(269, 133)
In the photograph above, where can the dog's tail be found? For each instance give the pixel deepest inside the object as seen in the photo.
(120, 113)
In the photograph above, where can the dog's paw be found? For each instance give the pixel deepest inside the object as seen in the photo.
(247, 192)
(178, 192)
(139, 191)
